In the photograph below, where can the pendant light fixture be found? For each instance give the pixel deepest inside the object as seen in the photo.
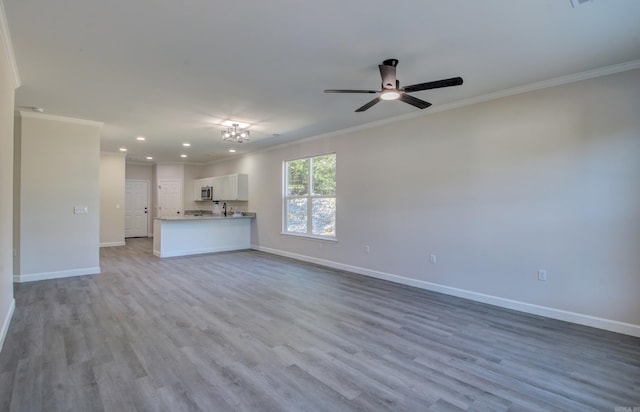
(235, 134)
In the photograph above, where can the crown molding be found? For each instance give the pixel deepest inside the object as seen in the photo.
(7, 46)
(140, 163)
(558, 81)
(545, 84)
(34, 115)
(114, 154)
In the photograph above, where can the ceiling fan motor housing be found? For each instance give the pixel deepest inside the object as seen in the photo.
(390, 62)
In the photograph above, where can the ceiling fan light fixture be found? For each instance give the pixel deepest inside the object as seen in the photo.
(390, 95)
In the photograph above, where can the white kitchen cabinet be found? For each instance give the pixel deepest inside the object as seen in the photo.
(217, 184)
(231, 187)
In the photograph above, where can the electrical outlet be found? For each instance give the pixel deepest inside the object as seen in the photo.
(81, 210)
(542, 275)
(367, 249)
(432, 259)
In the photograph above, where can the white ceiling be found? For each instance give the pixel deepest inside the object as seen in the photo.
(172, 71)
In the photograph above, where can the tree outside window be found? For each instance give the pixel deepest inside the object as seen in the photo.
(310, 196)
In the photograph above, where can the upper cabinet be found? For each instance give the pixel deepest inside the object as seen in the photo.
(229, 187)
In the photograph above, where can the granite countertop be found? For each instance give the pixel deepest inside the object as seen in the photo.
(209, 216)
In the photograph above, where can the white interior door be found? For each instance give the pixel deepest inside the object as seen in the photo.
(136, 214)
(169, 197)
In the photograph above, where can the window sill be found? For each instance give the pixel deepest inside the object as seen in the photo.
(310, 237)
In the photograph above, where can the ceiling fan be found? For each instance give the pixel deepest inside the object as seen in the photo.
(391, 89)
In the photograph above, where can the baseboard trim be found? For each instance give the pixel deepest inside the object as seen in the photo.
(32, 277)
(111, 244)
(6, 322)
(548, 312)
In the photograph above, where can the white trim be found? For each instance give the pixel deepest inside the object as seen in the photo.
(7, 319)
(310, 237)
(553, 313)
(149, 163)
(114, 154)
(531, 87)
(111, 244)
(24, 113)
(32, 277)
(7, 45)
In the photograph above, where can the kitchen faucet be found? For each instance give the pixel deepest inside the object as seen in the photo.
(224, 209)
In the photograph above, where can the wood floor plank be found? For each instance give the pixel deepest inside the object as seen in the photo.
(249, 331)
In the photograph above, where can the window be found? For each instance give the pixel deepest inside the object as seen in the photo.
(310, 196)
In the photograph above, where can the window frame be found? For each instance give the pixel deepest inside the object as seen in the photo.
(309, 198)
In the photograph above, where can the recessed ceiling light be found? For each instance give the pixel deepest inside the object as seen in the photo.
(141, 138)
(149, 158)
(123, 149)
(232, 150)
(183, 155)
(186, 144)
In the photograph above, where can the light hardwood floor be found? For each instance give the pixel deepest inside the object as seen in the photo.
(252, 331)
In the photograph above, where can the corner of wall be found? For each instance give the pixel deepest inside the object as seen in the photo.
(9, 81)
(7, 46)
(6, 322)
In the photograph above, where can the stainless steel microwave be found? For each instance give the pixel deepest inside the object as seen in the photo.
(207, 193)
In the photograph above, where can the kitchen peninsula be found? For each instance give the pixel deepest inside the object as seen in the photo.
(191, 235)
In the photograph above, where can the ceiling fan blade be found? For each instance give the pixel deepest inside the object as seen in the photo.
(414, 101)
(368, 105)
(388, 74)
(350, 91)
(454, 81)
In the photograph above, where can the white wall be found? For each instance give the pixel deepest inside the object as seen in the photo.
(139, 171)
(191, 172)
(170, 171)
(9, 81)
(112, 198)
(497, 190)
(59, 169)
